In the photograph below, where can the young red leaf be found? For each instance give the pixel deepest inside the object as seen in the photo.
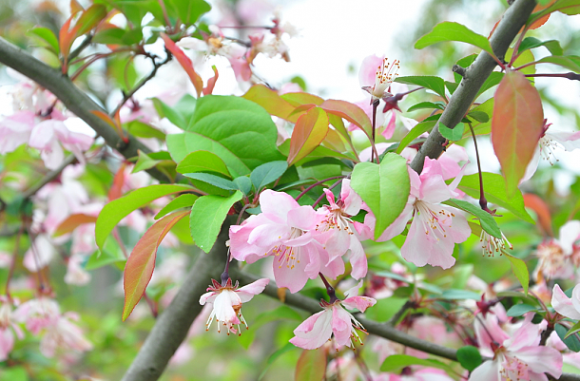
(271, 101)
(350, 112)
(516, 126)
(311, 365)
(140, 265)
(66, 37)
(116, 190)
(185, 62)
(309, 131)
(72, 222)
(75, 7)
(211, 82)
(539, 206)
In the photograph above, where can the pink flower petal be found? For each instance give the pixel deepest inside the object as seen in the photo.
(314, 331)
(247, 292)
(563, 304)
(488, 371)
(361, 303)
(278, 203)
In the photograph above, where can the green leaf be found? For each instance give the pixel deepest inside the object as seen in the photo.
(202, 161)
(384, 188)
(278, 314)
(267, 173)
(469, 357)
(112, 36)
(181, 201)
(430, 105)
(520, 270)
(479, 116)
(188, 11)
(395, 363)
(165, 111)
(274, 356)
(417, 131)
(574, 329)
(216, 181)
(453, 294)
(14, 373)
(572, 342)
(143, 130)
(487, 221)
(493, 80)
(207, 215)
(452, 134)
(239, 131)
(144, 162)
(47, 36)
(110, 253)
(568, 62)
(120, 208)
(480, 127)
(520, 309)
(90, 18)
(494, 190)
(385, 309)
(531, 42)
(427, 81)
(311, 365)
(244, 184)
(452, 31)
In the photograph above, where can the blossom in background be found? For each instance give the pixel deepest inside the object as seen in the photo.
(227, 302)
(286, 231)
(558, 258)
(550, 142)
(516, 355)
(376, 75)
(565, 306)
(8, 327)
(335, 319)
(435, 229)
(343, 237)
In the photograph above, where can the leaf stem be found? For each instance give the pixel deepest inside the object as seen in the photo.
(316, 184)
(329, 289)
(482, 199)
(570, 75)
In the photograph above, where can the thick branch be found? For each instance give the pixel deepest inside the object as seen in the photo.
(73, 98)
(379, 329)
(173, 324)
(475, 75)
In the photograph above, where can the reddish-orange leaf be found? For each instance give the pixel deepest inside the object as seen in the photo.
(115, 123)
(116, 190)
(185, 63)
(311, 365)
(141, 262)
(211, 82)
(516, 126)
(309, 131)
(538, 205)
(72, 222)
(75, 7)
(542, 20)
(271, 101)
(66, 37)
(350, 112)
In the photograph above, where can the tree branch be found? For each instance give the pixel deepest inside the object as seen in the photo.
(73, 98)
(173, 324)
(475, 75)
(48, 178)
(383, 330)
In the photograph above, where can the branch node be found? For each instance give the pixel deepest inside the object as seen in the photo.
(459, 70)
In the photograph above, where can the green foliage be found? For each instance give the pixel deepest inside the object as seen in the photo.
(373, 182)
(451, 134)
(395, 363)
(429, 82)
(207, 215)
(469, 357)
(451, 31)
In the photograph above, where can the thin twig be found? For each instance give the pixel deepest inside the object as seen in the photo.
(48, 178)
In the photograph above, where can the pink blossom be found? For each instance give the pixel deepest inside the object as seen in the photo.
(64, 335)
(335, 319)
(49, 135)
(38, 314)
(515, 356)
(548, 145)
(39, 254)
(285, 230)
(227, 302)
(7, 327)
(75, 273)
(15, 130)
(558, 258)
(565, 306)
(376, 75)
(343, 237)
(435, 229)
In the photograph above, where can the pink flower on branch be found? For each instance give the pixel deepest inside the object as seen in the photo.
(565, 306)
(8, 327)
(343, 237)
(376, 75)
(227, 302)
(515, 356)
(286, 231)
(335, 319)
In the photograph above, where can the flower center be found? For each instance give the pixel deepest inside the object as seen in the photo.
(492, 245)
(432, 218)
(547, 148)
(514, 369)
(288, 256)
(384, 76)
